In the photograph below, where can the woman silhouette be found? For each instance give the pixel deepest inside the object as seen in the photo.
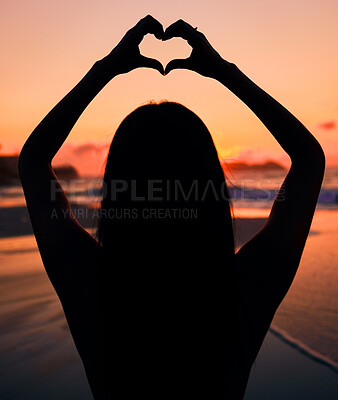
(160, 305)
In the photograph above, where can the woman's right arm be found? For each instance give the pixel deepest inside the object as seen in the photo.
(266, 264)
(294, 138)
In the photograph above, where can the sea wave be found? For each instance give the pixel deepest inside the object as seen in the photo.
(326, 196)
(303, 348)
(258, 197)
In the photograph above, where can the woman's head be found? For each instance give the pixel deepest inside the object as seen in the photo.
(164, 185)
(168, 251)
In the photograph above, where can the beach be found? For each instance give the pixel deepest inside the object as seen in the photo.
(281, 372)
(38, 359)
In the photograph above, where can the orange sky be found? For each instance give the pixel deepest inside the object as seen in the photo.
(289, 48)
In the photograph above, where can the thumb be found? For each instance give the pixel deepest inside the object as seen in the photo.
(180, 63)
(151, 63)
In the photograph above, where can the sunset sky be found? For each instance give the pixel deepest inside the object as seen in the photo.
(287, 47)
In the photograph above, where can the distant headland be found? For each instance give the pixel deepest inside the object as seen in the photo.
(9, 173)
(259, 167)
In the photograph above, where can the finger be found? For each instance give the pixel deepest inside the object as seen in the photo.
(181, 29)
(147, 25)
(151, 63)
(180, 63)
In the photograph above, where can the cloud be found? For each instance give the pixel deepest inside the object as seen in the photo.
(91, 148)
(327, 125)
(88, 157)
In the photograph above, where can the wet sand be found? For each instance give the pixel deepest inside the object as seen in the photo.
(38, 359)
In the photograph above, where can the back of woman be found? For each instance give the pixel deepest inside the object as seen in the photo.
(160, 305)
(169, 327)
(170, 254)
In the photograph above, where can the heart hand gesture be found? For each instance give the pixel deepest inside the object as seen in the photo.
(126, 56)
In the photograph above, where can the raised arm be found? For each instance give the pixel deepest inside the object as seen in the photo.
(267, 264)
(295, 139)
(49, 135)
(61, 240)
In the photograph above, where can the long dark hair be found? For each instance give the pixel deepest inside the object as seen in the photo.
(166, 235)
(163, 155)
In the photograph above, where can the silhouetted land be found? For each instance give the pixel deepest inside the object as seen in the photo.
(9, 173)
(260, 167)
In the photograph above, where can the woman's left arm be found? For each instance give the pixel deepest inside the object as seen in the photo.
(49, 135)
(57, 232)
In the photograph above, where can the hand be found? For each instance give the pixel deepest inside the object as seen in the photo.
(203, 59)
(126, 55)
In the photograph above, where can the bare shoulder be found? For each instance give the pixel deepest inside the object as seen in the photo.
(254, 315)
(71, 259)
